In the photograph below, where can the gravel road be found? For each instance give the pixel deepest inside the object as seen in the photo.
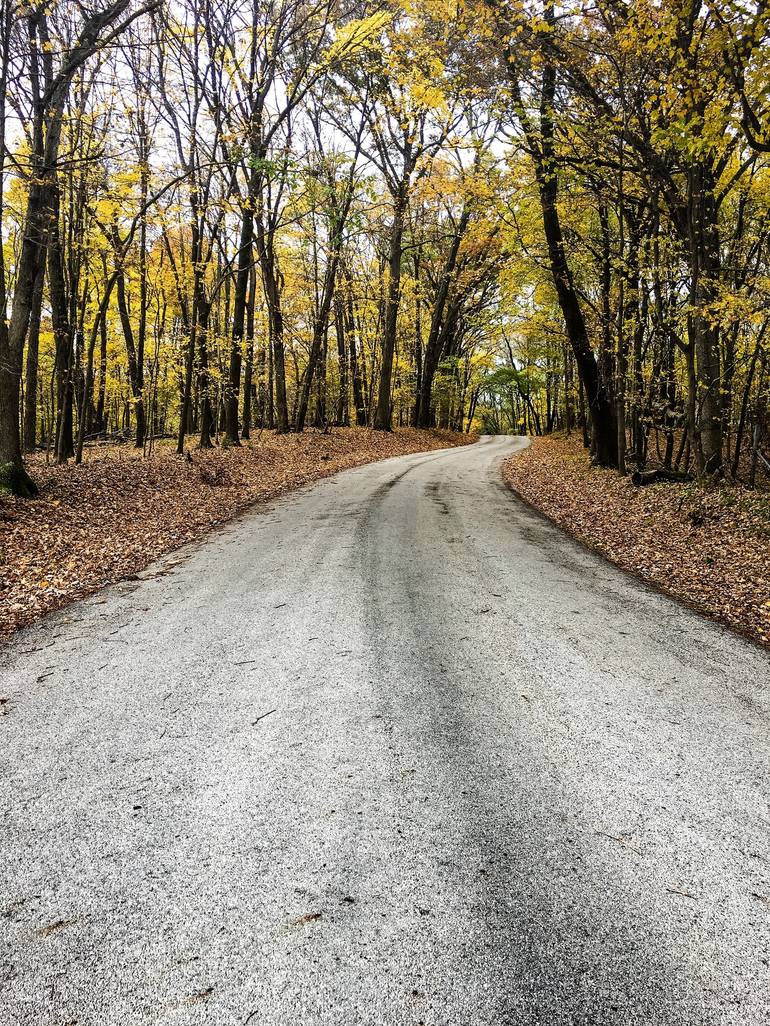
(392, 750)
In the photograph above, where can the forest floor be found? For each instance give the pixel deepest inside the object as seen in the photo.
(706, 546)
(110, 517)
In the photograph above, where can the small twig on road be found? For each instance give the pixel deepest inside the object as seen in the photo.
(684, 894)
(120, 628)
(255, 722)
(620, 840)
(243, 662)
(29, 651)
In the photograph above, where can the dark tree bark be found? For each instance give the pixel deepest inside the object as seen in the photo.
(33, 346)
(540, 143)
(433, 347)
(383, 411)
(248, 373)
(343, 397)
(135, 375)
(99, 422)
(705, 269)
(46, 132)
(243, 274)
(271, 282)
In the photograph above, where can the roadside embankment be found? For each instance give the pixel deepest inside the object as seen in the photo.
(708, 546)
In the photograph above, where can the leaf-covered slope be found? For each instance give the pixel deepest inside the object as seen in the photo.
(709, 547)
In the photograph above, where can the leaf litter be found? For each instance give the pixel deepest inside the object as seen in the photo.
(706, 545)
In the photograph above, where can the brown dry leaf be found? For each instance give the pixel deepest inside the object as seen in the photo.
(310, 917)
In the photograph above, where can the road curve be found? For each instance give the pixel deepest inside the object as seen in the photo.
(393, 750)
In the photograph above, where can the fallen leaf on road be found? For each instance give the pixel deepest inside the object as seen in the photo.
(310, 917)
(46, 931)
(202, 995)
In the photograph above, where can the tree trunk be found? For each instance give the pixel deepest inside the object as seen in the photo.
(705, 271)
(383, 411)
(63, 340)
(599, 405)
(99, 424)
(207, 418)
(33, 345)
(248, 373)
(239, 320)
(136, 379)
(541, 147)
(343, 398)
(433, 347)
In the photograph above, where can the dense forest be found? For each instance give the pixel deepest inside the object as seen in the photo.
(228, 215)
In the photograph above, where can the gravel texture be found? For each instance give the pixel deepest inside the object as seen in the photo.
(392, 751)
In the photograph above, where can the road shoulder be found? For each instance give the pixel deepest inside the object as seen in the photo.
(706, 547)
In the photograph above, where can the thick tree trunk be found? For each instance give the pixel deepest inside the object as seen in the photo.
(279, 367)
(135, 375)
(99, 424)
(705, 274)
(270, 393)
(239, 319)
(204, 377)
(343, 398)
(63, 341)
(418, 347)
(13, 476)
(33, 345)
(436, 336)
(272, 288)
(320, 329)
(599, 404)
(383, 411)
(248, 373)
